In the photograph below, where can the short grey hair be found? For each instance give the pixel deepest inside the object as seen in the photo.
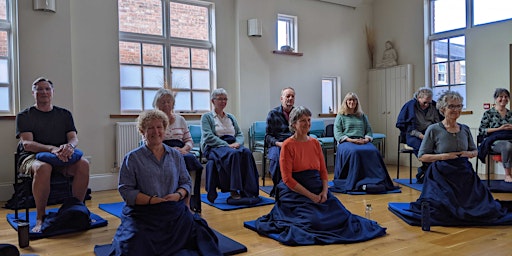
(217, 92)
(296, 114)
(423, 92)
(442, 103)
(499, 91)
(161, 93)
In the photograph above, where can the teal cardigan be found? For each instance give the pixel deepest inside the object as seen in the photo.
(210, 138)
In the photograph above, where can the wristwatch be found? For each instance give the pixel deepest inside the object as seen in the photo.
(73, 146)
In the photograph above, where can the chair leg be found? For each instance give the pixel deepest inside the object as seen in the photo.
(398, 165)
(264, 167)
(488, 166)
(410, 168)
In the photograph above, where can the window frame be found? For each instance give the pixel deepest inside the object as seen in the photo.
(167, 41)
(291, 32)
(10, 26)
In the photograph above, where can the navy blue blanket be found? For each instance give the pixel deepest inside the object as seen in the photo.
(296, 220)
(163, 229)
(457, 196)
(485, 147)
(358, 166)
(231, 170)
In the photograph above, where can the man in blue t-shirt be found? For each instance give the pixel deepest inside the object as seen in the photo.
(44, 127)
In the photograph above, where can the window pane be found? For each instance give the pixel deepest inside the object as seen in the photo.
(130, 76)
(448, 15)
(201, 79)
(153, 54)
(181, 78)
(189, 21)
(200, 58)
(148, 99)
(440, 50)
(182, 101)
(437, 91)
(458, 72)
(282, 33)
(4, 71)
(461, 89)
(201, 101)
(180, 57)
(457, 48)
(4, 50)
(440, 74)
(140, 16)
(327, 95)
(4, 99)
(486, 11)
(3, 10)
(131, 100)
(153, 77)
(129, 53)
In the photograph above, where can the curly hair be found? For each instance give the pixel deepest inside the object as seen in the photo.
(148, 116)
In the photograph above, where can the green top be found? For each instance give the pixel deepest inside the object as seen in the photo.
(352, 126)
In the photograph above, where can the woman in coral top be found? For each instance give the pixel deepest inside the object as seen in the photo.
(306, 212)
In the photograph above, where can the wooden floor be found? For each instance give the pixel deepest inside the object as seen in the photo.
(401, 239)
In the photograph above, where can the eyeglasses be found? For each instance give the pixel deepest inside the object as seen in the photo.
(454, 107)
(221, 99)
(427, 103)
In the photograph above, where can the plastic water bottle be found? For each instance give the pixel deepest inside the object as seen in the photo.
(425, 216)
(368, 211)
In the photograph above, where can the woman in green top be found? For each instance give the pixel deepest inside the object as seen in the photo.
(359, 166)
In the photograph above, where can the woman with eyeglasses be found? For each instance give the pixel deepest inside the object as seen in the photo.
(230, 165)
(453, 190)
(496, 128)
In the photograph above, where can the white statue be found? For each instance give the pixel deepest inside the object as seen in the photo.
(390, 57)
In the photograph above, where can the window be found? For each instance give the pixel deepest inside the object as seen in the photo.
(165, 42)
(487, 11)
(7, 57)
(287, 31)
(330, 89)
(449, 21)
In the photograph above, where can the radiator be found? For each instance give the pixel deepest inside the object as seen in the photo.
(127, 138)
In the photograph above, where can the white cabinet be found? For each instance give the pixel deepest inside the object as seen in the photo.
(389, 89)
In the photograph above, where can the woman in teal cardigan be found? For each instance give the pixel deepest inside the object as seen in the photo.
(231, 166)
(359, 166)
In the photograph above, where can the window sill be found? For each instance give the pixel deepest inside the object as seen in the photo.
(187, 116)
(288, 53)
(327, 115)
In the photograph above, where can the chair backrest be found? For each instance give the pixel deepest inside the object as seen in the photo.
(195, 133)
(257, 133)
(329, 130)
(317, 127)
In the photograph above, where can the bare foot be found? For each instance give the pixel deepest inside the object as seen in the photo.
(508, 178)
(37, 227)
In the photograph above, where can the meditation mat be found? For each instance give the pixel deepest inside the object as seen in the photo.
(402, 211)
(221, 203)
(227, 245)
(96, 222)
(251, 225)
(498, 186)
(266, 189)
(412, 185)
